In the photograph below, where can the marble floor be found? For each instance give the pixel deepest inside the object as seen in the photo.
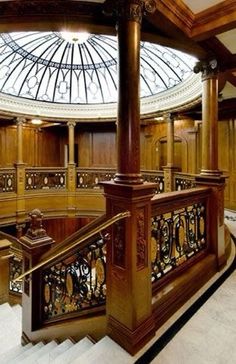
(209, 337)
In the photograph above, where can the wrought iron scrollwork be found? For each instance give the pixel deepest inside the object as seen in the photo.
(176, 237)
(76, 283)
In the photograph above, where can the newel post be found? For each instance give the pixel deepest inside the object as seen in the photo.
(210, 174)
(34, 243)
(129, 288)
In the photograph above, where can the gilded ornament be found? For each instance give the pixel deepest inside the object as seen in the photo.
(100, 271)
(69, 284)
(47, 293)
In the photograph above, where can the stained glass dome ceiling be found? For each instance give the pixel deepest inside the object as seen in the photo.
(79, 69)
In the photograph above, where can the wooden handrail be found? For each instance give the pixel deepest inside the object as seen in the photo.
(86, 236)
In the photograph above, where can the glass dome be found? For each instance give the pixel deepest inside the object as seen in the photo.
(81, 69)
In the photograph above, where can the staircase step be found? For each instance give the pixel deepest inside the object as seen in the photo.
(26, 354)
(75, 351)
(42, 351)
(13, 353)
(18, 311)
(60, 349)
(106, 351)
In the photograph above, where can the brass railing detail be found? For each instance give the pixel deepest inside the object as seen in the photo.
(86, 236)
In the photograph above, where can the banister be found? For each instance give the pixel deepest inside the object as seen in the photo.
(86, 236)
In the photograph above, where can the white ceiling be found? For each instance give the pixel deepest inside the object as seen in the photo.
(199, 5)
(229, 40)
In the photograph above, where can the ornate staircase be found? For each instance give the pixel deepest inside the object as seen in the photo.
(84, 351)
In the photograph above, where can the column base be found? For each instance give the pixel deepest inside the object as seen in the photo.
(129, 178)
(131, 340)
(211, 172)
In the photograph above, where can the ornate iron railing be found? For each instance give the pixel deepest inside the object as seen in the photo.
(7, 180)
(155, 177)
(76, 283)
(90, 178)
(184, 181)
(178, 233)
(15, 270)
(45, 178)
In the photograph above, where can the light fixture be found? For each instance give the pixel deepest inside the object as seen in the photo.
(75, 37)
(36, 121)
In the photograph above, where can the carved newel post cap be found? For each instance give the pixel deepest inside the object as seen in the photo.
(36, 235)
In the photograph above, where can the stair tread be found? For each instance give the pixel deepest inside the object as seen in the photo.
(13, 352)
(26, 353)
(75, 351)
(43, 350)
(58, 350)
(105, 351)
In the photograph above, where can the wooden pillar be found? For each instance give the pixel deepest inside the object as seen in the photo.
(210, 174)
(20, 173)
(129, 288)
(4, 269)
(169, 169)
(128, 122)
(34, 243)
(71, 170)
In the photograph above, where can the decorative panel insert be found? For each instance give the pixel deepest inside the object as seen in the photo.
(177, 237)
(76, 283)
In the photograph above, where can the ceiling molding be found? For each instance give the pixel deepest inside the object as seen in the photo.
(214, 20)
(178, 13)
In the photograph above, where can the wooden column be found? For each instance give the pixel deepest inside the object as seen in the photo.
(128, 122)
(4, 269)
(71, 170)
(34, 243)
(20, 172)
(169, 169)
(129, 288)
(210, 174)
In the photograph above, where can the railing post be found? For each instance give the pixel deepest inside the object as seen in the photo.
(34, 243)
(169, 169)
(20, 173)
(4, 269)
(210, 174)
(71, 170)
(129, 287)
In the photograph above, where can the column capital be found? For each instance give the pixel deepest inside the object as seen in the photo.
(71, 124)
(209, 69)
(169, 117)
(20, 120)
(132, 10)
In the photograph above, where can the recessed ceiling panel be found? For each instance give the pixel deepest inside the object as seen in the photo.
(229, 40)
(200, 5)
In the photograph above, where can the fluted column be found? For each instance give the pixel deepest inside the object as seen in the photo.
(71, 170)
(210, 174)
(71, 138)
(20, 173)
(169, 169)
(209, 117)
(19, 123)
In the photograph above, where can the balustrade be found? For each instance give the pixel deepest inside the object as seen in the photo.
(90, 178)
(179, 230)
(45, 179)
(7, 180)
(76, 283)
(184, 181)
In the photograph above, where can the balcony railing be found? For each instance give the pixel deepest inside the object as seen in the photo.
(179, 231)
(184, 181)
(7, 180)
(45, 178)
